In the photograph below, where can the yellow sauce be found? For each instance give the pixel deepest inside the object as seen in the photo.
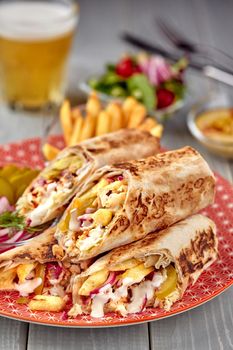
(217, 124)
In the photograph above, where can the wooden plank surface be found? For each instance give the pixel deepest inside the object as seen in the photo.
(209, 326)
(13, 334)
(130, 338)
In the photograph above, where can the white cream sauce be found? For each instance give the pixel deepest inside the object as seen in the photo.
(28, 287)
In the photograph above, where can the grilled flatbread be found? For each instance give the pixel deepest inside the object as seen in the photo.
(154, 271)
(38, 249)
(133, 199)
(48, 195)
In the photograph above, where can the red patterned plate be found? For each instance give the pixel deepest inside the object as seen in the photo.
(211, 283)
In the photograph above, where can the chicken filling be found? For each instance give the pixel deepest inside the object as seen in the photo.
(126, 288)
(35, 278)
(87, 221)
(51, 188)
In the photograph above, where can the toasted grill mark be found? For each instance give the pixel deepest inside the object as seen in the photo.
(199, 183)
(140, 212)
(122, 139)
(121, 224)
(153, 163)
(192, 259)
(23, 256)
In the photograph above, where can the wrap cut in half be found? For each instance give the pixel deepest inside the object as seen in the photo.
(39, 248)
(135, 198)
(33, 269)
(152, 272)
(47, 196)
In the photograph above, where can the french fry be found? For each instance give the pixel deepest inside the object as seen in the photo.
(116, 115)
(148, 124)
(77, 129)
(103, 123)
(157, 131)
(75, 114)
(66, 120)
(46, 303)
(7, 279)
(127, 106)
(93, 105)
(23, 270)
(137, 116)
(88, 129)
(50, 152)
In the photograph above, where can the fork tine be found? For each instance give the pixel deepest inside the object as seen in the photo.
(167, 31)
(174, 35)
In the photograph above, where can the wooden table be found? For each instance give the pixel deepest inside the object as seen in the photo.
(209, 326)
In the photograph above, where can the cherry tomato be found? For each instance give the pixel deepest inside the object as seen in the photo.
(125, 67)
(165, 98)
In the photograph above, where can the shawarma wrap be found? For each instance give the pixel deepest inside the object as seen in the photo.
(48, 195)
(33, 268)
(135, 198)
(154, 271)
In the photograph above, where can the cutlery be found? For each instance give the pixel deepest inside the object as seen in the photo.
(179, 41)
(223, 75)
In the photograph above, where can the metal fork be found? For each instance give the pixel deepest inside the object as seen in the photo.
(184, 44)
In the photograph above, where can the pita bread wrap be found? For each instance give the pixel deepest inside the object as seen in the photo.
(47, 196)
(38, 249)
(154, 271)
(33, 267)
(133, 199)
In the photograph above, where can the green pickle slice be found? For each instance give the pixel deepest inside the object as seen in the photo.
(6, 190)
(169, 285)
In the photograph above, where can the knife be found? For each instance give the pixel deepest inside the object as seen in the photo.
(214, 72)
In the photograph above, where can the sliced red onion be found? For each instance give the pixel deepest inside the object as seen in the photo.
(4, 231)
(41, 182)
(5, 205)
(4, 238)
(85, 220)
(28, 222)
(157, 70)
(144, 303)
(55, 270)
(115, 178)
(110, 280)
(16, 237)
(86, 300)
(64, 316)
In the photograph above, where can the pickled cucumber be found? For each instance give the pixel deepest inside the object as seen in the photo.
(169, 285)
(6, 190)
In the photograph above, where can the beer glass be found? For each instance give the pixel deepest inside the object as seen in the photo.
(35, 40)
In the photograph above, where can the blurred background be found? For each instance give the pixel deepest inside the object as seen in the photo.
(97, 41)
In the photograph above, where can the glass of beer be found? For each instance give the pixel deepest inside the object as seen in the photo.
(35, 40)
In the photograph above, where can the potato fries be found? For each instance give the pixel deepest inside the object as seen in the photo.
(47, 303)
(137, 115)
(148, 124)
(116, 115)
(7, 279)
(93, 106)
(89, 126)
(103, 123)
(50, 152)
(94, 119)
(76, 135)
(23, 270)
(66, 121)
(157, 131)
(127, 107)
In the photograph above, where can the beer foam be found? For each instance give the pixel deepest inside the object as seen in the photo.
(36, 19)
